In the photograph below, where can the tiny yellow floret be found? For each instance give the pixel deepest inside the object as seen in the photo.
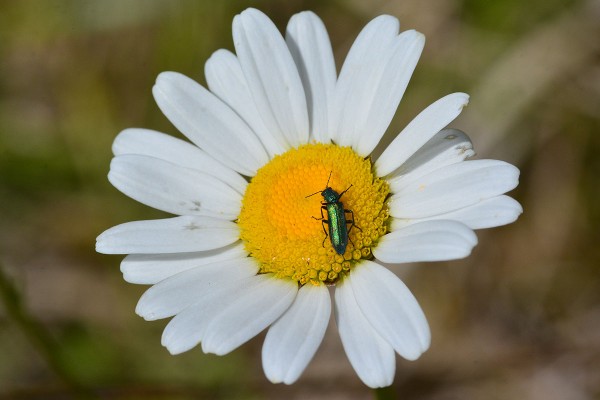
(278, 221)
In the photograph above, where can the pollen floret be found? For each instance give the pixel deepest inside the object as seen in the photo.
(281, 214)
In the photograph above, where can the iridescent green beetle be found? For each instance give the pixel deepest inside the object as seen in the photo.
(337, 222)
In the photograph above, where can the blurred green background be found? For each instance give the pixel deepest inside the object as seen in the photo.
(519, 319)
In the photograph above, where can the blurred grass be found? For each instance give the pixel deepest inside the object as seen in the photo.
(519, 319)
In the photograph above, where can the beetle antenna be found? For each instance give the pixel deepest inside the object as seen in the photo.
(327, 184)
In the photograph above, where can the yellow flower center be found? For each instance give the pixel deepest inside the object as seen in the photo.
(280, 220)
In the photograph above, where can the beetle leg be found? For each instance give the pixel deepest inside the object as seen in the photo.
(351, 221)
(322, 216)
(352, 225)
(326, 236)
(323, 222)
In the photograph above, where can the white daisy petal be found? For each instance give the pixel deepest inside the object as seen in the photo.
(148, 269)
(294, 338)
(171, 235)
(209, 123)
(174, 294)
(371, 356)
(426, 241)
(253, 308)
(391, 309)
(225, 78)
(453, 187)
(419, 131)
(309, 44)
(382, 102)
(187, 328)
(489, 213)
(360, 74)
(271, 75)
(174, 189)
(447, 147)
(159, 145)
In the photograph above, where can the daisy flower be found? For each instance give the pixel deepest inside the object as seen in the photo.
(251, 247)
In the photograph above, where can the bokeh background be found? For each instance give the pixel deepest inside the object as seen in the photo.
(519, 319)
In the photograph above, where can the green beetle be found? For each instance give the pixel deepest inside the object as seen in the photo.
(336, 214)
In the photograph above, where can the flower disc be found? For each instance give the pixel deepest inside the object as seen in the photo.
(280, 220)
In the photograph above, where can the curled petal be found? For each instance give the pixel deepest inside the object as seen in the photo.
(489, 213)
(453, 187)
(418, 132)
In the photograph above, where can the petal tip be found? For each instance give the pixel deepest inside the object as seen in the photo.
(101, 246)
(165, 76)
(98, 247)
(251, 12)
